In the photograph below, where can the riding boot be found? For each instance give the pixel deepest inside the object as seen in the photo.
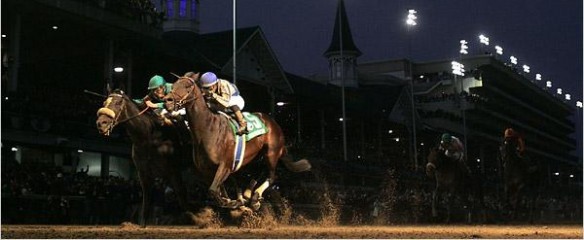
(242, 123)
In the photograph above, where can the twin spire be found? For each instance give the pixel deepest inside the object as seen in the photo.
(342, 53)
(342, 23)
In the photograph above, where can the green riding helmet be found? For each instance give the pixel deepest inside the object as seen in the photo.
(156, 82)
(446, 138)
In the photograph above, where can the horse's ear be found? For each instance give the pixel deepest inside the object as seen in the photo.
(108, 88)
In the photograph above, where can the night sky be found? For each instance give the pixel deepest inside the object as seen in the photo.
(546, 35)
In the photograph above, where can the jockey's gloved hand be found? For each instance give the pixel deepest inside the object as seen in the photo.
(181, 111)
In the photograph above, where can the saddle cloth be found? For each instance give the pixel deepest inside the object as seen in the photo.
(255, 128)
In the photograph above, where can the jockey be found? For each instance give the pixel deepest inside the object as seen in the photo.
(454, 149)
(157, 89)
(226, 96)
(512, 135)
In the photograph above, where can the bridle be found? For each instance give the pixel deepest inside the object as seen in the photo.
(110, 113)
(184, 100)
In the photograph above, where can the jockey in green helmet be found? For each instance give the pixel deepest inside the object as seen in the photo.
(454, 149)
(157, 89)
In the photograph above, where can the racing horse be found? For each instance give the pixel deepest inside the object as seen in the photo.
(156, 149)
(452, 181)
(520, 179)
(214, 144)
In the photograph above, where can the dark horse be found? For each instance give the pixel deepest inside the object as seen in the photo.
(155, 148)
(520, 179)
(452, 180)
(214, 143)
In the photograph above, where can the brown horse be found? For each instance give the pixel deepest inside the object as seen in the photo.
(214, 143)
(452, 180)
(155, 148)
(520, 179)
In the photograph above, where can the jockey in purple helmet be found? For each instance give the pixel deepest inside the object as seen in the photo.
(226, 96)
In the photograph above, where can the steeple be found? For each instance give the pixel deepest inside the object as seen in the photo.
(342, 53)
(348, 44)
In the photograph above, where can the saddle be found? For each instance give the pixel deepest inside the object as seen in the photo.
(255, 125)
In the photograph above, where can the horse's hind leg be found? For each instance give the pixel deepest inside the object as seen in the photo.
(273, 155)
(252, 185)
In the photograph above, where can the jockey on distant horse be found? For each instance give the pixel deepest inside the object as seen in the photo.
(454, 149)
(513, 136)
(224, 96)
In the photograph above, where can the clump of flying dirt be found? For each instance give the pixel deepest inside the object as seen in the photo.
(206, 218)
(286, 212)
(387, 198)
(301, 220)
(329, 206)
(264, 218)
(129, 226)
(357, 218)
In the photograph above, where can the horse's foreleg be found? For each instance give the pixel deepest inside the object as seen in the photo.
(215, 191)
(435, 195)
(147, 189)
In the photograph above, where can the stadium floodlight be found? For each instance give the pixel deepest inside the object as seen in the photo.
(411, 20)
(538, 77)
(526, 68)
(484, 40)
(513, 60)
(499, 50)
(559, 91)
(279, 104)
(457, 68)
(579, 104)
(568, 97)
(3, 35)
(548, 84)
(118, 69)
(463, 47)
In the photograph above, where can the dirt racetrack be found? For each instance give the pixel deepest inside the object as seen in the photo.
(434, 231)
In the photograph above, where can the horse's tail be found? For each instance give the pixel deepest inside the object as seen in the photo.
(301, 165)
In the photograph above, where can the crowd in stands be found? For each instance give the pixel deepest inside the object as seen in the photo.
(47, 194)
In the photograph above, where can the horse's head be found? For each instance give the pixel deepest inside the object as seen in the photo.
(108, 115)
(435, 158)
(184, 90)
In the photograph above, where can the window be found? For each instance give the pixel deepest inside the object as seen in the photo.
(193, 9)
(182, 9)
(170, 8)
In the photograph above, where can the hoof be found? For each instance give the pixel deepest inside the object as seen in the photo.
(256, 201)
(231, 204)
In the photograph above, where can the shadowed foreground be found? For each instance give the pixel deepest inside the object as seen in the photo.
(437, 231)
